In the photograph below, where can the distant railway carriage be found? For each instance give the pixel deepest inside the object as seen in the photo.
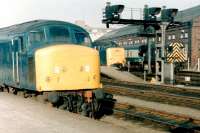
(137, 56)
(52, 57)
(134, 54)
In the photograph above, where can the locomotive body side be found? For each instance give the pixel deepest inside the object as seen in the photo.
(5, 62)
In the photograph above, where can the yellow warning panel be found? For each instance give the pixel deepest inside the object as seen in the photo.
(178, 54)
(67, 67)
(115, 56)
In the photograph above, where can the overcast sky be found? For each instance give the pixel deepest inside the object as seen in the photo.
(17, 11)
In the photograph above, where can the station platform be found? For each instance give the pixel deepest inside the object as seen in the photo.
(113, 73)
(19, 115)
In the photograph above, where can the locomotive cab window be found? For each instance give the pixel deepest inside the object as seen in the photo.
(59, 34)
(82, 38)
(36, 36)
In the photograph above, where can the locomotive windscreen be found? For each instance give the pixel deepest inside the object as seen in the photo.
(59, 34)
(82, 38)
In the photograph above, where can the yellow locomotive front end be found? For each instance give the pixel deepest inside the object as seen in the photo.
(115, 56)
(67, 67)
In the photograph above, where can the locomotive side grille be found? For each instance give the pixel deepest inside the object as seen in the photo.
(31, 70)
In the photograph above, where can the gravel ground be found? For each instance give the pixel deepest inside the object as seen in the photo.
(19, 115)
(194, 113)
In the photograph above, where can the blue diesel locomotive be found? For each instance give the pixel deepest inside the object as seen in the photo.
(51, 57)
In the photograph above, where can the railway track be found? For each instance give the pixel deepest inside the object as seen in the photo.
(157, 93)
(183, 91)
(194, 77)
(171, 122)
(155, 96)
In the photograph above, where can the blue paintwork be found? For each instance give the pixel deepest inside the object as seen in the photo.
(14, 40)
(101, 47)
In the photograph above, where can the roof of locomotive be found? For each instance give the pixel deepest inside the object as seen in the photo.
(25, 27)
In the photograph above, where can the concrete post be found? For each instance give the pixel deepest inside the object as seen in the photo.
(188, 64)
(163, 29)
(145, 76)
(129, 66)
(172, 73)
(149, 54)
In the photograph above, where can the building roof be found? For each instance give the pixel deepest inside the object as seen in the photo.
(188, 14)
(127, 30)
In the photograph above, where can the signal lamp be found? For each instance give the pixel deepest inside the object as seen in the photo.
(168, 15)
(150, 13)
(113, 12)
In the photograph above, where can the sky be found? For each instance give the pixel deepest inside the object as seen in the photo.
(17, 11)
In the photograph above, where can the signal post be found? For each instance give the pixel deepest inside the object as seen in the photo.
(112, 16)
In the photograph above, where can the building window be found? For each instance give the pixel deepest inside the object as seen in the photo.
(169, 37)
(130, 42)
(186, 35)
(181, 36)
(137, 41)
(173, 37)
(142, 41)
(125, 43)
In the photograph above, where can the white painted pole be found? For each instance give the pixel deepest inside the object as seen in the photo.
(172, 73)
(128, 66)
(145, 76)
(188, 65)
(198, 64)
